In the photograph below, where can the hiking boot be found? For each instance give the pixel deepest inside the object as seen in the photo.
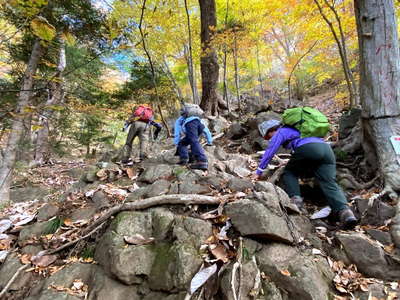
(298, 201)
(183, 161)
(347, 218)
(200, 165)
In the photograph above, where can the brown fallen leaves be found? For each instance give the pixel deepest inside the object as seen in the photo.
(348, 280)
(78, 288)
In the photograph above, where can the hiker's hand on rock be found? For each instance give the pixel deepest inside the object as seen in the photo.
(255, 176)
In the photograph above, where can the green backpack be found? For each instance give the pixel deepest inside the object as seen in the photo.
(309, 121)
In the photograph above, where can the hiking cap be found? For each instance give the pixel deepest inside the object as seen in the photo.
(265, 126)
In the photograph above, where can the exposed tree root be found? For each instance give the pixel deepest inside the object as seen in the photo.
(277, 174)
(357, 185)
(184, 199)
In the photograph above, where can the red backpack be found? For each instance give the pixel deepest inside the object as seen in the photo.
(144, 113)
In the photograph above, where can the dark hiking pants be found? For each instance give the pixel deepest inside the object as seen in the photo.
(193, 130)
(319, 159)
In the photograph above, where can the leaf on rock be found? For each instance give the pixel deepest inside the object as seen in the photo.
(219, 251)
(201, 277)
(25, 259)
(285, 272)
(138, 239)
(102, 174)
(43, 260)
(130, 172)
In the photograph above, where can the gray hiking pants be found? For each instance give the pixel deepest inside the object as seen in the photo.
(137, 129)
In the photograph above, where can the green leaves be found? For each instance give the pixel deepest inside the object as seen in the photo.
(43, 29)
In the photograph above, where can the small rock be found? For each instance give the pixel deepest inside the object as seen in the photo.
(160, 187)
(264, 222)
(239, 185)
(381, 236)
(155, 172)
(100, 200)
(47, 211)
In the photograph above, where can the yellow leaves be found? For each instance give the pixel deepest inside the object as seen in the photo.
(69, 38)
(43, 29)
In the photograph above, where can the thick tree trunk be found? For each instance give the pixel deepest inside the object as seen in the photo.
(10, 151)
(208, 61)
(380, 89)
(55, 97)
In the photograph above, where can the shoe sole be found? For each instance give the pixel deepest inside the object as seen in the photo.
(350, 224)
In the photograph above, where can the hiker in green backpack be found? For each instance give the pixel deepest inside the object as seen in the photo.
(308, 154)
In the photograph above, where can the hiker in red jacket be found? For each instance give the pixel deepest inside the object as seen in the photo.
(139, 122)
(308, 154)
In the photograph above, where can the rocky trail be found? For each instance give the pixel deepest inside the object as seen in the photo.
(155, 229)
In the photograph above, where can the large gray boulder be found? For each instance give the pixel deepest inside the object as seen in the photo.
(369, 257)
(299, 274)
(167, 264)
(254, 219)
(155, 172)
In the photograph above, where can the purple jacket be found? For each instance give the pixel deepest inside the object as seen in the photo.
(287, 137)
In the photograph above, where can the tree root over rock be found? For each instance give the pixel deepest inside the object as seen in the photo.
(357, 185)
(183, 199)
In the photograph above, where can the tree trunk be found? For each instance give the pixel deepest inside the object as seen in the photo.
(153, 73)
(235, 62)
(10, 151)
(225, 87)
(191, 71)
(208, 62)
(380, 90)
(55, 97)
(342, 51)
(259, 73)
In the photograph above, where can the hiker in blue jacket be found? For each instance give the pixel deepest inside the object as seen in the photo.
(308, 154)
(192, 128)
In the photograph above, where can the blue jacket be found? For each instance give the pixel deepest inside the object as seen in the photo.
(180, 129)
(287, 137)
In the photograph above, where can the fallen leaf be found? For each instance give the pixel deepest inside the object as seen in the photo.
(3, 255)
(102, 174)
(219, 251)
(285, 272)
(341, 289)
(5, 225)
(22, 219)
(25, 259)
(392, 296)
(130, 172)
(394, 285)
(364, 287)
(77, 284)
(138, 239)
(43, 260)
(201, 277)
(389, 248)
(68, 222)
(316, 251)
